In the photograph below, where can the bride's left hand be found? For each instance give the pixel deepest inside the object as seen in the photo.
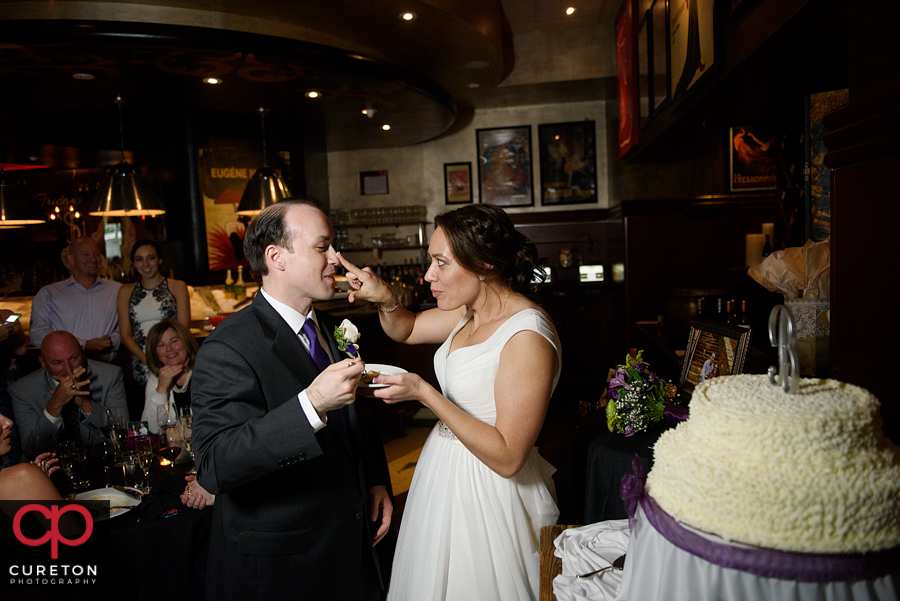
(403, 387)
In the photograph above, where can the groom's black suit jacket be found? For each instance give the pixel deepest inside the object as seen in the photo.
(291, 513)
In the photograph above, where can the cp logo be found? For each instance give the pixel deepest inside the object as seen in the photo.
(53, 514)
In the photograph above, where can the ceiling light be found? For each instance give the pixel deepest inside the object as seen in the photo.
(83, 76)
(385, 127)
(265, 187)
(408, 16)
(312, 94)
(570, 10)
(212, 80)
(122, 193)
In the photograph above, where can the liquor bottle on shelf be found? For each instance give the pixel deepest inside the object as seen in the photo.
(240, 289)
(720, 309)
(744, 317)
(702, 311)
(731, 315)
(229, 285)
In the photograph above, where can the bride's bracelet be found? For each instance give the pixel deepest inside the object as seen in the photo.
(391, 310)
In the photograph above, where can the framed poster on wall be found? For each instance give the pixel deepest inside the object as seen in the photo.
(504, 166)
(752, 154)
(627, 76)
(457, 183)
(568, 163)
(691, 44)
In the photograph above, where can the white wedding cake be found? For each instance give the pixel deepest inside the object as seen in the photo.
(807, 472)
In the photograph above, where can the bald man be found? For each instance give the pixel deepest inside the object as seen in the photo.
(84, 304)
(66, 377)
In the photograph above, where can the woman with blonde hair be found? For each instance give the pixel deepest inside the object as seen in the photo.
(171, 351)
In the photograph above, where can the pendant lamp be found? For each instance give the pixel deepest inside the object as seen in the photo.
(266, 187)
(15, 209)
(122, 192)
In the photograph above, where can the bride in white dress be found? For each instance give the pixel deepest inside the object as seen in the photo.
(481, 492)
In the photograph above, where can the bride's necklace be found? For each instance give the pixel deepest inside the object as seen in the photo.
(502, 307)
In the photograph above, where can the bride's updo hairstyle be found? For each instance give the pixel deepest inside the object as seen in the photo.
(485, 242)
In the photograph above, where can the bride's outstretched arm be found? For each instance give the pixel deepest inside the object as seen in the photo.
(401, 325)
(522, 391)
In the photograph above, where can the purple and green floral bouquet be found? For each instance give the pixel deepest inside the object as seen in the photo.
(636, 397)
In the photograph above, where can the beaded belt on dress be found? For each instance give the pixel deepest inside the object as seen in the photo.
(446, 432)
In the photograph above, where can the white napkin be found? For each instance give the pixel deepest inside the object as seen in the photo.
(584, 550)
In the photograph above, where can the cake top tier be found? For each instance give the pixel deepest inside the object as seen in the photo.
(756, 395)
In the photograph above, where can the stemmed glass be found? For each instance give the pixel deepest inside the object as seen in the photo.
(144, 448)
(166, 417)
(187, 422)
(71, 459)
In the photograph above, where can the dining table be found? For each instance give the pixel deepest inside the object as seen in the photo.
(158, 548)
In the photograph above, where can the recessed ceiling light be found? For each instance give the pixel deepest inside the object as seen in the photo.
(312, 94)
(408, 16)
(570, 10)
(84, 76)
(212, 80)
(385, 127)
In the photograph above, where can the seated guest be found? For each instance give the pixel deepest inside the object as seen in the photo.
(171, 351)
(71, 396)
(84, 304)
(26, 481)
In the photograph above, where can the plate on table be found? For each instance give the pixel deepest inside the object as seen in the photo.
(382, 369)
(119, 502)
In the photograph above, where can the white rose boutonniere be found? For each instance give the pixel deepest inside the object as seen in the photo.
(346, 335)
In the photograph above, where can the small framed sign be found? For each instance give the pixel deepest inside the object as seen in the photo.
(457, 183)
(373, 182)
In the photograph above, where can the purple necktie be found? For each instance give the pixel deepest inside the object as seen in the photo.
(320, 358)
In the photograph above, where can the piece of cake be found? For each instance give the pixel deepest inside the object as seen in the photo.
(807, 472)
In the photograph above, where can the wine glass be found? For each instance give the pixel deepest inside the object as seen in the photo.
(187, 422)
(166, 417)
(131, 469)
(144, 448)
(71, 460)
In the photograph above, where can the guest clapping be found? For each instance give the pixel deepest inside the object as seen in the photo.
(171, 351)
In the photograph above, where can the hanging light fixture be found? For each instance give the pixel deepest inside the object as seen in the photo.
(123, 193)
(266, 187)
(15, 210)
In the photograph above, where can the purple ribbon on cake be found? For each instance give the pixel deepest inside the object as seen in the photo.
(759, 561)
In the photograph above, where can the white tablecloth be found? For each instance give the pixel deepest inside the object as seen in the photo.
(584, 550)
(655, 569)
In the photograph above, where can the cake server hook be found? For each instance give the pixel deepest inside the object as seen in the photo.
(781, 335)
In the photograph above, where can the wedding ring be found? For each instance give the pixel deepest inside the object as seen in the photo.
(73, 387)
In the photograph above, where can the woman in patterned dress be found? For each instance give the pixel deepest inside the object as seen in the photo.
(143, 304)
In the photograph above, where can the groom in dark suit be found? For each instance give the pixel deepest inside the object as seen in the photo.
(297, 470)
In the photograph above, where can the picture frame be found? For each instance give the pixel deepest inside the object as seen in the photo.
(659, 51)
(627, 76)
(504, 166)
(457, 183)
(373, 182)
(645, 68)
(568, 160)
(692, 52)
(137, 428)
(713, 349)
(751, 158)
